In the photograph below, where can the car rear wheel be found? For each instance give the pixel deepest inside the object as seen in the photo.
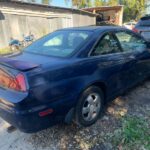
(89, 106)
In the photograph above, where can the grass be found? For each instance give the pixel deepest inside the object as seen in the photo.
(134, 134)
(5, 51)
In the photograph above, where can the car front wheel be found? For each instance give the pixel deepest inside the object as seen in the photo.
(89, 106)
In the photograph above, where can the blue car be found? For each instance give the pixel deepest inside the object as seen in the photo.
(70, 74)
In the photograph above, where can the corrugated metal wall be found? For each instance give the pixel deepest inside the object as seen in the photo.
(83, 20)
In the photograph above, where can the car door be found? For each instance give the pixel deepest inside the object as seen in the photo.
(110, 61)
(137, 57)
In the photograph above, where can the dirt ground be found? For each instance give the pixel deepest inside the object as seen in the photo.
(136, 102)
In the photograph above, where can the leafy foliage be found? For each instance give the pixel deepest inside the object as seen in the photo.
(42, 1)
(99, 3)
(81, 3)
(134, 134)
(112, 2)
(45, 1)
(134, 9)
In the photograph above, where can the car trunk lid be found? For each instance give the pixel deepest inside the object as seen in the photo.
(17, 64)
(12, 73)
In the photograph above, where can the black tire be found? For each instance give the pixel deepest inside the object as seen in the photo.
(80, 117)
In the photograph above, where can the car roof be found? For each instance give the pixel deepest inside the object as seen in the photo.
(94, 28)
(145, 18)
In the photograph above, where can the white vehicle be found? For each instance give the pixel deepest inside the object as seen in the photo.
(143, 27)
(129, 25)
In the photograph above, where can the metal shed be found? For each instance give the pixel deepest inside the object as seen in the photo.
(112, 14)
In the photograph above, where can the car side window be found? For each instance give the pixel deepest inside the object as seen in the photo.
(106, 45)
(130, 42)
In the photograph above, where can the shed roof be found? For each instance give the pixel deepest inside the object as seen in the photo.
(103, 8)
(47, 6)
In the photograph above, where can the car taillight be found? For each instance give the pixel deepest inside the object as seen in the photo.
(20, 80)
(16, 83)
(135, 30)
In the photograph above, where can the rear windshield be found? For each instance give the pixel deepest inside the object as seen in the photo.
(59, 43)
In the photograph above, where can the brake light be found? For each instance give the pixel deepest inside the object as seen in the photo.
(46, 112)
(20, 79)
(16, 83)
(135, 30)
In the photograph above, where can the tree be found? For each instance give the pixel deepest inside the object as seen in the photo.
(80, 3)
(112, 2)
(46, 1)
(105, 2)
(38, 1)
(99, 3)
(89, 3)
(134, 9)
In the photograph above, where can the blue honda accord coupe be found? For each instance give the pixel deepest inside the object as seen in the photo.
(70, 74)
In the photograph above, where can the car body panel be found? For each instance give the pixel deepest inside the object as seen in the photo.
(57, 83)
(143, 27)
(144, 31)
(17, 64)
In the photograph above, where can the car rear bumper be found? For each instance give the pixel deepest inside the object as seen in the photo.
(28, 119)
(28, 122)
